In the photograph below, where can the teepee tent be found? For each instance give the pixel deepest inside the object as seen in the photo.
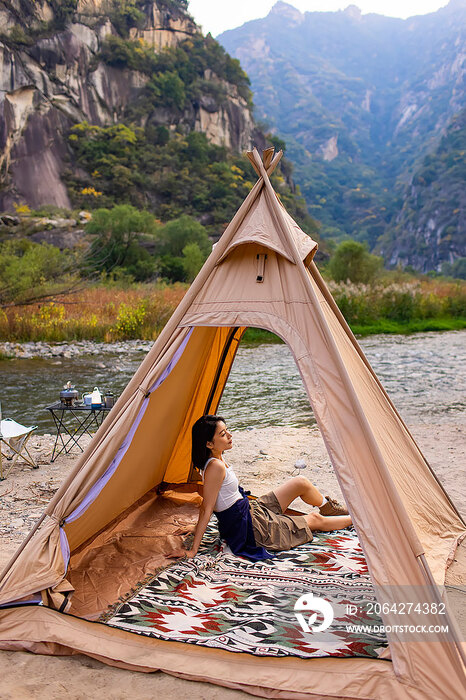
(260, 274)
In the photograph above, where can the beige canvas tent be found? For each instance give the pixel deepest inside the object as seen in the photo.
(260, 274)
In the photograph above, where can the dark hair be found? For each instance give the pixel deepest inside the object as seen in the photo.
(202, 432)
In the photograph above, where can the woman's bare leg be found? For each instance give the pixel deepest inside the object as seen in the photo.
(327, 523)
(298, 487)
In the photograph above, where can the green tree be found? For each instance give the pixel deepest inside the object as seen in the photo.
(180, 232)
(167, 89)
(31, 271)
(63, 11)
(193, 259)
(183, 246)
(124, 15)
(117, 244)
(352, 261)
(456, 269)
(172, 269)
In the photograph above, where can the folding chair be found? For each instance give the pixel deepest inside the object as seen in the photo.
(14, 437)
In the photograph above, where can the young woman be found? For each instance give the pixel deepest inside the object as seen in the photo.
(251, 528)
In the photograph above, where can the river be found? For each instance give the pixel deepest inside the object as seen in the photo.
(424, 374)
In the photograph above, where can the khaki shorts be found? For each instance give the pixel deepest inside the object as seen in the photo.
(274, 530)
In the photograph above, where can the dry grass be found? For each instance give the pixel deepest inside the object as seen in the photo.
(404, 301)
(101, 312)
(107, 313)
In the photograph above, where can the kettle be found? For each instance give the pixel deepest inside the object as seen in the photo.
(68, 395)
(96, 398)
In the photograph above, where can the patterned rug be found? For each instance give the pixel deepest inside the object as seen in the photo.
(223, 601)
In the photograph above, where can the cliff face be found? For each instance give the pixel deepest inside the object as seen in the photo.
(430, 230)
(52, 76)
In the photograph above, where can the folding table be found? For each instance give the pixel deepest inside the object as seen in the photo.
(72, 422)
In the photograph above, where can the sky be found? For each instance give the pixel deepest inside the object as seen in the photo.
(215, 16)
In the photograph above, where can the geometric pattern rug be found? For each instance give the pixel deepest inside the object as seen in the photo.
(222, 601)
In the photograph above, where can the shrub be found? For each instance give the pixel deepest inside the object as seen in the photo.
(101, 312)
(130, 320)
(122, 53)
(29, 270)
(22, 209)
(403, 303)
(63, 11)
(456, 269)
(116, 310)
(183, 246)
(167, 89)
(352, 261)
(399, 302)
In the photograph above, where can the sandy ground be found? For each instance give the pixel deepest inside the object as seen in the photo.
(263, 458)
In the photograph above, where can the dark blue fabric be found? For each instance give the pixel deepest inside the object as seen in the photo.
(235, 527)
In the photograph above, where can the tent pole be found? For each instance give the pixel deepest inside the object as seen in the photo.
(232, 336)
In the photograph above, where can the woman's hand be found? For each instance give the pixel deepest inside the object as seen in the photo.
(213, 478)
(185, 529)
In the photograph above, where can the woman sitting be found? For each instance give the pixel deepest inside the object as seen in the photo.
(252, 528)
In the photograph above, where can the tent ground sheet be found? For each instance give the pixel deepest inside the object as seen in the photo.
(225, 602)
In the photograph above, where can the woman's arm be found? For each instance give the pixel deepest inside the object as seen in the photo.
(213, 479)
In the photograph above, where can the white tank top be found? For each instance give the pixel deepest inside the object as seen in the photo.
(229, 492)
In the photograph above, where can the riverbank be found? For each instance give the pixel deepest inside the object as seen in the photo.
(29, 350)
(422, 325)
(111, 312)
(263, 458)
(65, 349)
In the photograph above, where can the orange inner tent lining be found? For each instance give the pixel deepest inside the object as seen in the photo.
(161, 447)
(201, 375)
(131, 548)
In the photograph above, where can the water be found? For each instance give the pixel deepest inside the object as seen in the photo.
(28, 386)
(424, 374)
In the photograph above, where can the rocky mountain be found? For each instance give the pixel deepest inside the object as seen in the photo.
(111, 101)
(361, 100)
(429, 232)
